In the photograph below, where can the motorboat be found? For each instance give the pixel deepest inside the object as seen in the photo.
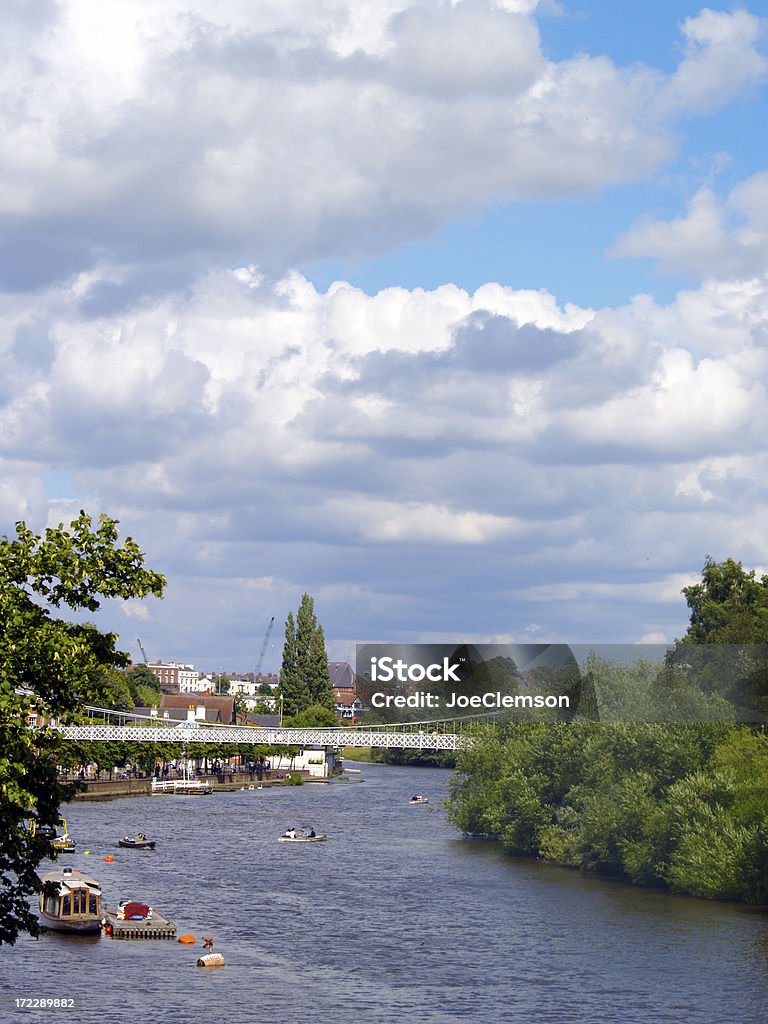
(419, 799)
(61, 842)
(70, 902)
(137, 842)
(302, 835)
(64, 843)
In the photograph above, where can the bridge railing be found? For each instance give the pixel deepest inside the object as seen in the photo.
(430, 734)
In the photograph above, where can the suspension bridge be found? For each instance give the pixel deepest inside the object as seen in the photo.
(122, 726)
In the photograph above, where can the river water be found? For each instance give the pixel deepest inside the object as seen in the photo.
(394, 918)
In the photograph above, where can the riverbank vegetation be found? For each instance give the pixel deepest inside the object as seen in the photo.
(683, 807)
(48, 669)
(666, 784)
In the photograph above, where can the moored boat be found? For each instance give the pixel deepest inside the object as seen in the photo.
(73, 905)
(62, 843)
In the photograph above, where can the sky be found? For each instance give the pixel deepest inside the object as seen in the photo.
(453, 315)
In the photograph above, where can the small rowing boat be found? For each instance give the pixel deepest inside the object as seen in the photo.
(302, 836)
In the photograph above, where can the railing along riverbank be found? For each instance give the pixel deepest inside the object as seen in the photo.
(108, 789)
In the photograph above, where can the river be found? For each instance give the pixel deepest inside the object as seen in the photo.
(394, 918)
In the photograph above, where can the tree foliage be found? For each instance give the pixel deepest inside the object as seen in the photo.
(668, 789)
(50, 666)
(728, 606)
(304, 677)
(683, 807)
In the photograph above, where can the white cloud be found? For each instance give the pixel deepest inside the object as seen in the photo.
(261, 439)
(713, 239)
(136, 611)
(168, 137)
(427, 461)
(410, 523)
(721, 60)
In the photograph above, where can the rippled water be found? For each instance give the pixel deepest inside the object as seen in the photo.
(393, 919)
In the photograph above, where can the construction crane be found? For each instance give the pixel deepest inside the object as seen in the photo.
(143, 652)
(264, 643)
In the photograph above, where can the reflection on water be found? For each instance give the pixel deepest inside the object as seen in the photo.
(394, 918)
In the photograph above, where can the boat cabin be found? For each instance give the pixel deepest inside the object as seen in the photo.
(75, 903)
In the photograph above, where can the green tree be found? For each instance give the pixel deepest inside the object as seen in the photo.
(293, 686)
(316, 716)
(147, 696)
(310, 680)
(140, 675)
(318, 675)
(729, 606)
(112, 690)
(51, 666)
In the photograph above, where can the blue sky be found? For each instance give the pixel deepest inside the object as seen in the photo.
(531, 245)
(452, 314)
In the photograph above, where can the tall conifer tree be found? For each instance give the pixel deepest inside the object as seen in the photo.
(304, 677)
(293, 687)
(319, 679)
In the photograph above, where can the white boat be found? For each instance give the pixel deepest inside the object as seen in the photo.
(299, 837)
(75, 903)
(419, 799)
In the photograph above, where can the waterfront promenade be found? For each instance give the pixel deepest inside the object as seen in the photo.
(108, 789)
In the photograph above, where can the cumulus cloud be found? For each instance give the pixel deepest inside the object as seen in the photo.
(250, 430)
(714, 238)
(162, 136)
(425, 462)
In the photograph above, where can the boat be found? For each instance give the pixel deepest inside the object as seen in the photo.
(302, 836)
(137, 842)
(73, 904)
(62, 843)
(193, 788)
(419, 799)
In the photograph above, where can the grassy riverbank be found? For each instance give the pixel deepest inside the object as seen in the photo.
(364, 754)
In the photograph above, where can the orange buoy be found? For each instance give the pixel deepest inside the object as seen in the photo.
(109, 858)
(187, 938)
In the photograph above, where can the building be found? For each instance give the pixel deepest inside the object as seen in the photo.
(224, 707)
(349, 707)
(175, 677)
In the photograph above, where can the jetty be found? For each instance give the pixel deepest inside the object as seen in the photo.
(154, 927)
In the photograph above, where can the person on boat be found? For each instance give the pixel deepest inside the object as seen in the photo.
(140, 837)
(290, 833)
(312, 833)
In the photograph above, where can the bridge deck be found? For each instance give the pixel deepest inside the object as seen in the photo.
(189, 732)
